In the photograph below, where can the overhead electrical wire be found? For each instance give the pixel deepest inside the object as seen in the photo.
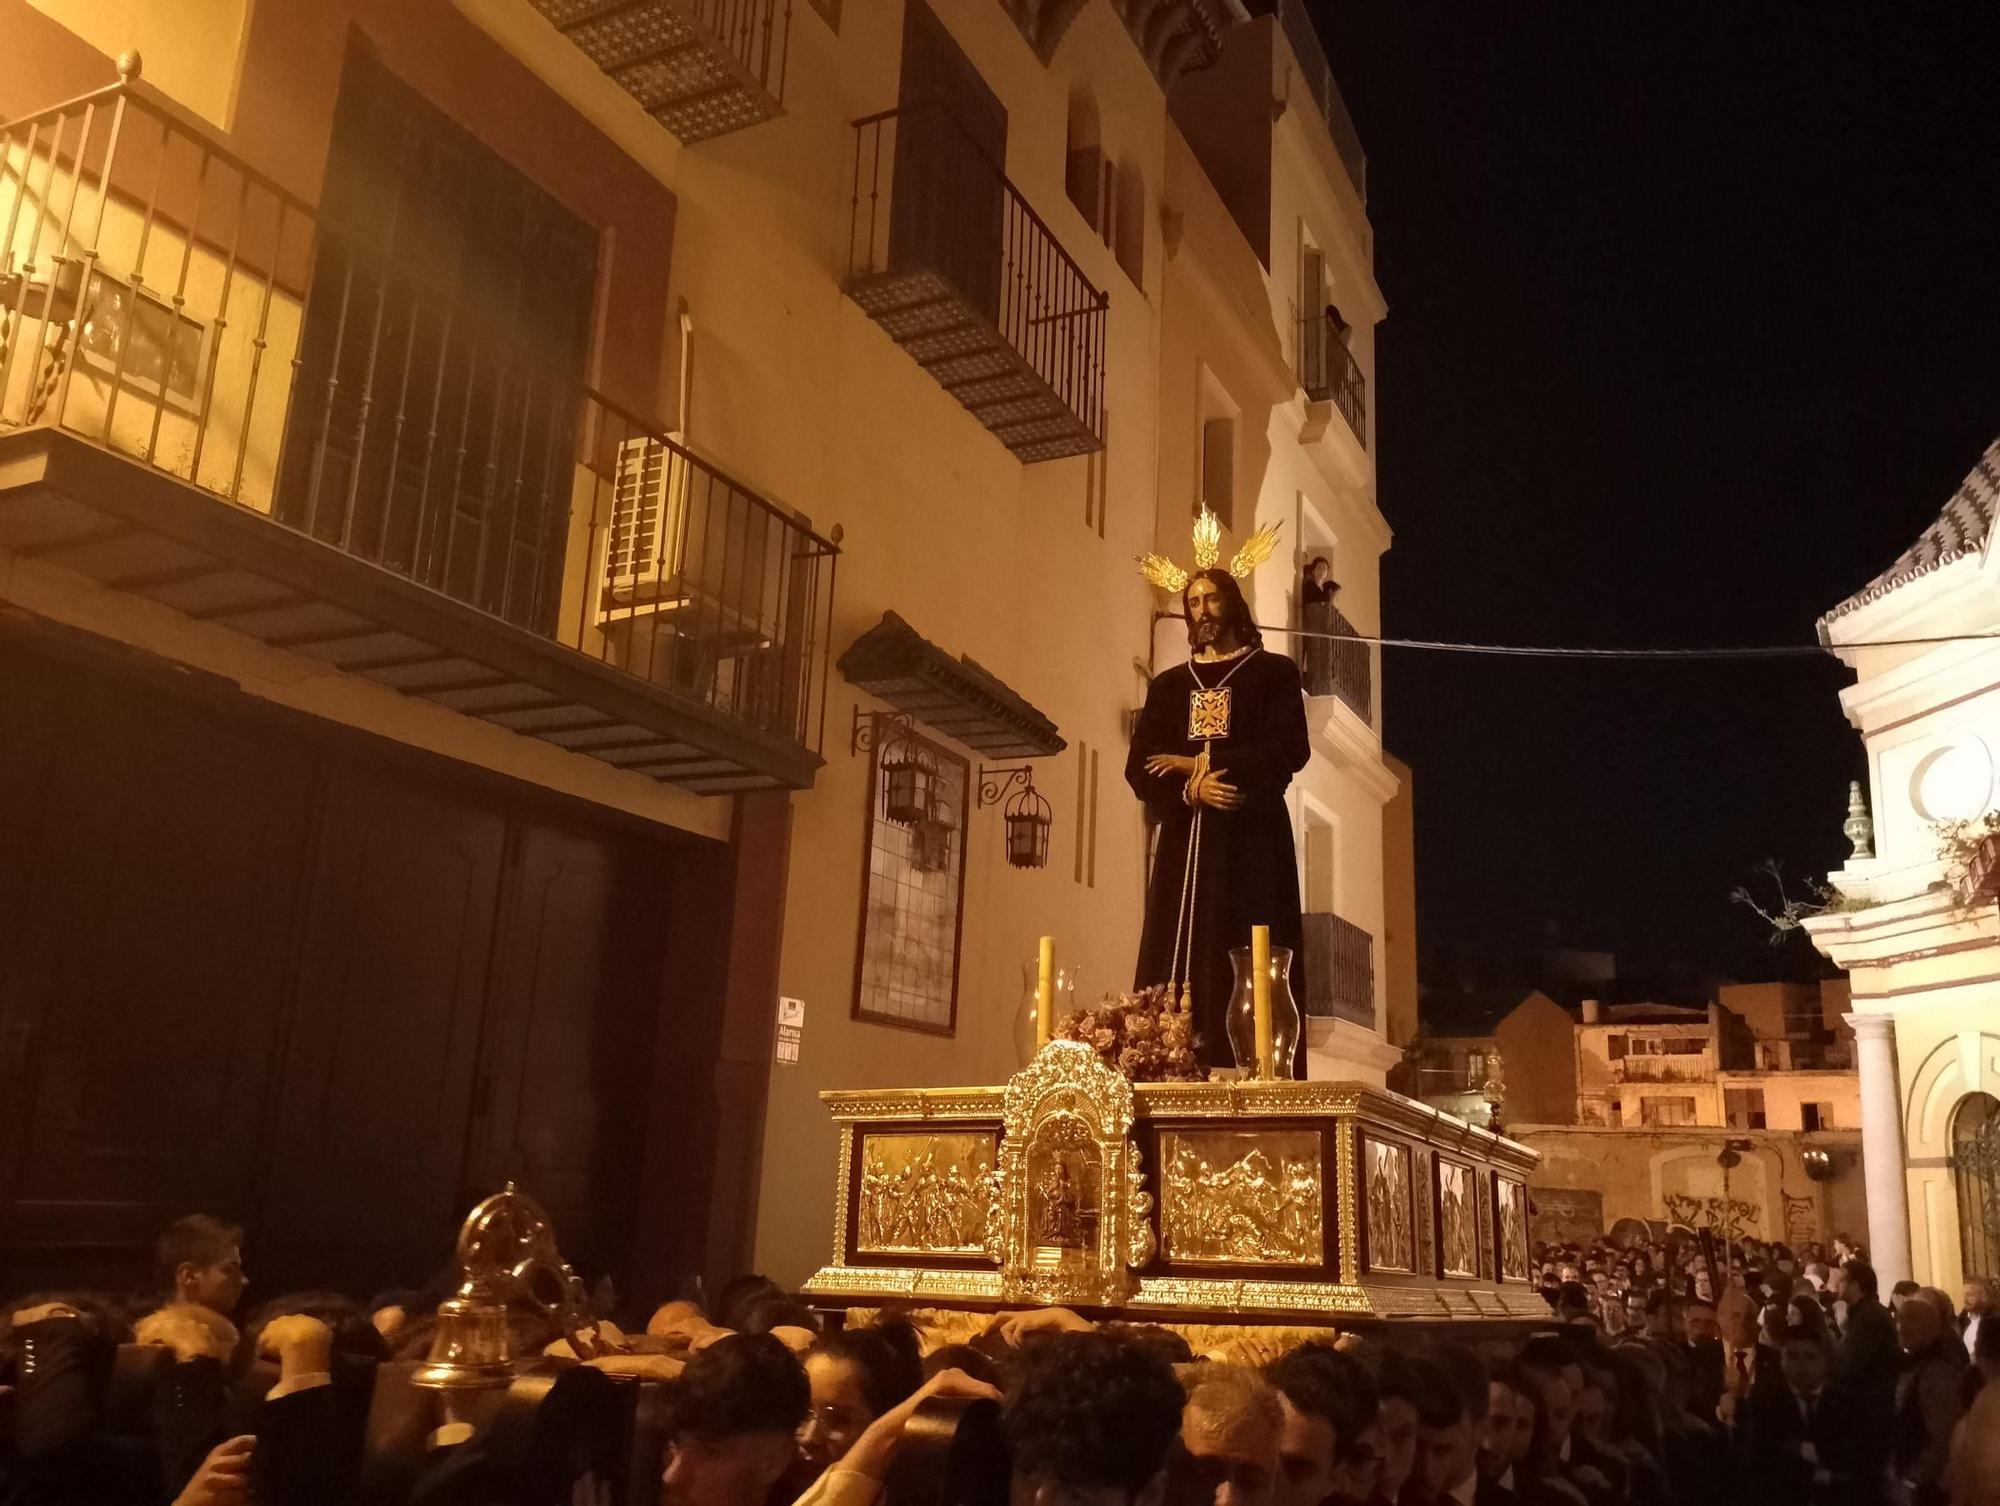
(1540, 651)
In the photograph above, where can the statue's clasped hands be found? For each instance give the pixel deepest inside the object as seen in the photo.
(1204, 785)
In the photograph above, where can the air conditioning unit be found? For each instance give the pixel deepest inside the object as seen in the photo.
(687, 550)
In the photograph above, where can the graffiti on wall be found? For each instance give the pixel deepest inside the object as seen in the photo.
(1730, 1218)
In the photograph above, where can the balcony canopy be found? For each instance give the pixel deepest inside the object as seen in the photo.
(955, 696)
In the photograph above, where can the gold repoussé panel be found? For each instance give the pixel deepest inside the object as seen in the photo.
(1458, 1216)
(925, 1193)
(1242, 1197)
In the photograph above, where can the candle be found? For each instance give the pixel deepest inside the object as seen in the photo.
(1045, 993)
(1260, 992)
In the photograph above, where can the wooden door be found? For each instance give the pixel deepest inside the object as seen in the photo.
(376, 1098)
(580, 978)
(148, 883)
(948, 213)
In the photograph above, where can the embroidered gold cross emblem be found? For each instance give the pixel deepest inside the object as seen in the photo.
(1208, 714)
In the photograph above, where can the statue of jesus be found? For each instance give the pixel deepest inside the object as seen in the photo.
(1218, 743)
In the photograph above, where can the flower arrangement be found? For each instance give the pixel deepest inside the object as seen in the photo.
(1144, 1035)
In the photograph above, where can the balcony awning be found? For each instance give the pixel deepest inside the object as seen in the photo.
(957, 697)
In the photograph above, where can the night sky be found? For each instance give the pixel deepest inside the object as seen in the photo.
(1694, 324)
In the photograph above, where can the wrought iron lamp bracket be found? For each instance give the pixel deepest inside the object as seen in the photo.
(995, 783)
(868, 727)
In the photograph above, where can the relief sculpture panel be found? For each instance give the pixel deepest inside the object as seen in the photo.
(925, 1194)
(1392, 1242)
(1458, 1218)
(1511, 1211)
(1235, 1197)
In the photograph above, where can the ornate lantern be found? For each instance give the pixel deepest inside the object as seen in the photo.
(506, 1251)
(909, 782)
(1026, 815)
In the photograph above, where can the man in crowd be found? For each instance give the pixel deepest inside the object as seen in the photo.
(201, 1263)
(1930, 1396)
(1804, 1443)
(1230, 1432)
(1092, 1423)
(1328, 1401)
(1978, 1306)
(1504, 1441)
(736, 1414)
(1866, 1363)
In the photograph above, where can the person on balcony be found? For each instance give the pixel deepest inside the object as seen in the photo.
(1316, 616)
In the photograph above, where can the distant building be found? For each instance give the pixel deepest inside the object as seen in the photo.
(1634, 1105)
(1917, 929)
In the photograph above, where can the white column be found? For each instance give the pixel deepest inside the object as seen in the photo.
(1882, 1147)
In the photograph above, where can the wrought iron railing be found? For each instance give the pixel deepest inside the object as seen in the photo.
(1328, 373)
(1340, 969)
(1662, 1069)
(1334, 662)
(161, 299)
(927, 199)
(701, 67)
(1306, 47)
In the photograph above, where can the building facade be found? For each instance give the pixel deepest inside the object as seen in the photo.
(552, 554)
(1915, 924)
(1633, 1106)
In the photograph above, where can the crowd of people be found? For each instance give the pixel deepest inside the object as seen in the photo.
(1794, 1385)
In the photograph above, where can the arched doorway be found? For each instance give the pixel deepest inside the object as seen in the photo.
(1975, 1163)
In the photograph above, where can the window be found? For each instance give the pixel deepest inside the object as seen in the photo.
(1685, 1045)
(1218, 467)
(1615, 1047)
(914, 905)
(1666, 1111)
(1126, 235)
(1815, 1116)
(1744, 1107)
(1084, 168)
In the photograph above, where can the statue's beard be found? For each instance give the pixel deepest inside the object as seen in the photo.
(1212, 632)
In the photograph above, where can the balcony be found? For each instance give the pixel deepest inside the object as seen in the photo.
(1328, 374)
(1662, 1069)
(210, 399)
(1318, 80)
(701, 68)
(1338, 666)
(1340, 970)
(945, 254)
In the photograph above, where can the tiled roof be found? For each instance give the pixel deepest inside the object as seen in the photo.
(1962, 529)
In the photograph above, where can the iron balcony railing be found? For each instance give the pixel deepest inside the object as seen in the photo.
(1339, 665)
(1327, 371)
(1340, 969)
(1662, 1069)
(702, 68)
(1306, 47)
(162, 300)
(930, 207)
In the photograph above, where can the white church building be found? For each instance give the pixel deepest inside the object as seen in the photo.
(1917, 926)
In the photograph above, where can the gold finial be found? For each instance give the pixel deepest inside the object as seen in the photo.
(129, 64)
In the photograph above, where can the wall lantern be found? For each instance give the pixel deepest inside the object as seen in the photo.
(909, 778)
(1025, 814)
(1818, 1164)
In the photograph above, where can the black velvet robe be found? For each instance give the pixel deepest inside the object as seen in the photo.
(1248, 873)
